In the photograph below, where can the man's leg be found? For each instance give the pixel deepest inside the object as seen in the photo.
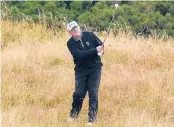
(79, 94)
(93, 86)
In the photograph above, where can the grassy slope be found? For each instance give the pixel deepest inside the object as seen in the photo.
(137, 86)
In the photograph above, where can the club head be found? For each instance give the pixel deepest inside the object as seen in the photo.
(116, 6)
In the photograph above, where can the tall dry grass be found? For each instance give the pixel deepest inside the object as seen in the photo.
(137, 86)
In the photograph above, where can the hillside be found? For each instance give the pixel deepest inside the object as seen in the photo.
(137, 86)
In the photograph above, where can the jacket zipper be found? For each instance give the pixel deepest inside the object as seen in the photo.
(82, 43)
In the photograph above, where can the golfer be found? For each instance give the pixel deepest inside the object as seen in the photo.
(86, 49)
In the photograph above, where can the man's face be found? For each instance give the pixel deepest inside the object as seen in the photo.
(75, 32)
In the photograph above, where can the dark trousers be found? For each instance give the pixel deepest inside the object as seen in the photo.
(86, 80)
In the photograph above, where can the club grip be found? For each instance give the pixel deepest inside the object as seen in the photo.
(102, 52)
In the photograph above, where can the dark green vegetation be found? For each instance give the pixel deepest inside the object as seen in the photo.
(156, 15)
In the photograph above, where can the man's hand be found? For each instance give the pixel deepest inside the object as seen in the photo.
(100, 48)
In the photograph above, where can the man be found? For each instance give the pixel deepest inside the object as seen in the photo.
(85, 48)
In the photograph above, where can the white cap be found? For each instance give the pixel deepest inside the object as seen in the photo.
(71, 25)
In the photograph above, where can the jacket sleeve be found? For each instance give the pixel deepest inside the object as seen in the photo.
(78, 54)
(96, 39)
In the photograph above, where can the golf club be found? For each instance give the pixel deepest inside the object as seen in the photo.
(107, 31)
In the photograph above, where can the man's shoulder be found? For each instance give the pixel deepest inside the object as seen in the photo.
(86, 32)
(70, 40)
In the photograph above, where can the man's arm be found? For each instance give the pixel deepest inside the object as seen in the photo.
(98, 43)
(96, 39)
(80, 54)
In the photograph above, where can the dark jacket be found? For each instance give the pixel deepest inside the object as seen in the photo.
(84, 51)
